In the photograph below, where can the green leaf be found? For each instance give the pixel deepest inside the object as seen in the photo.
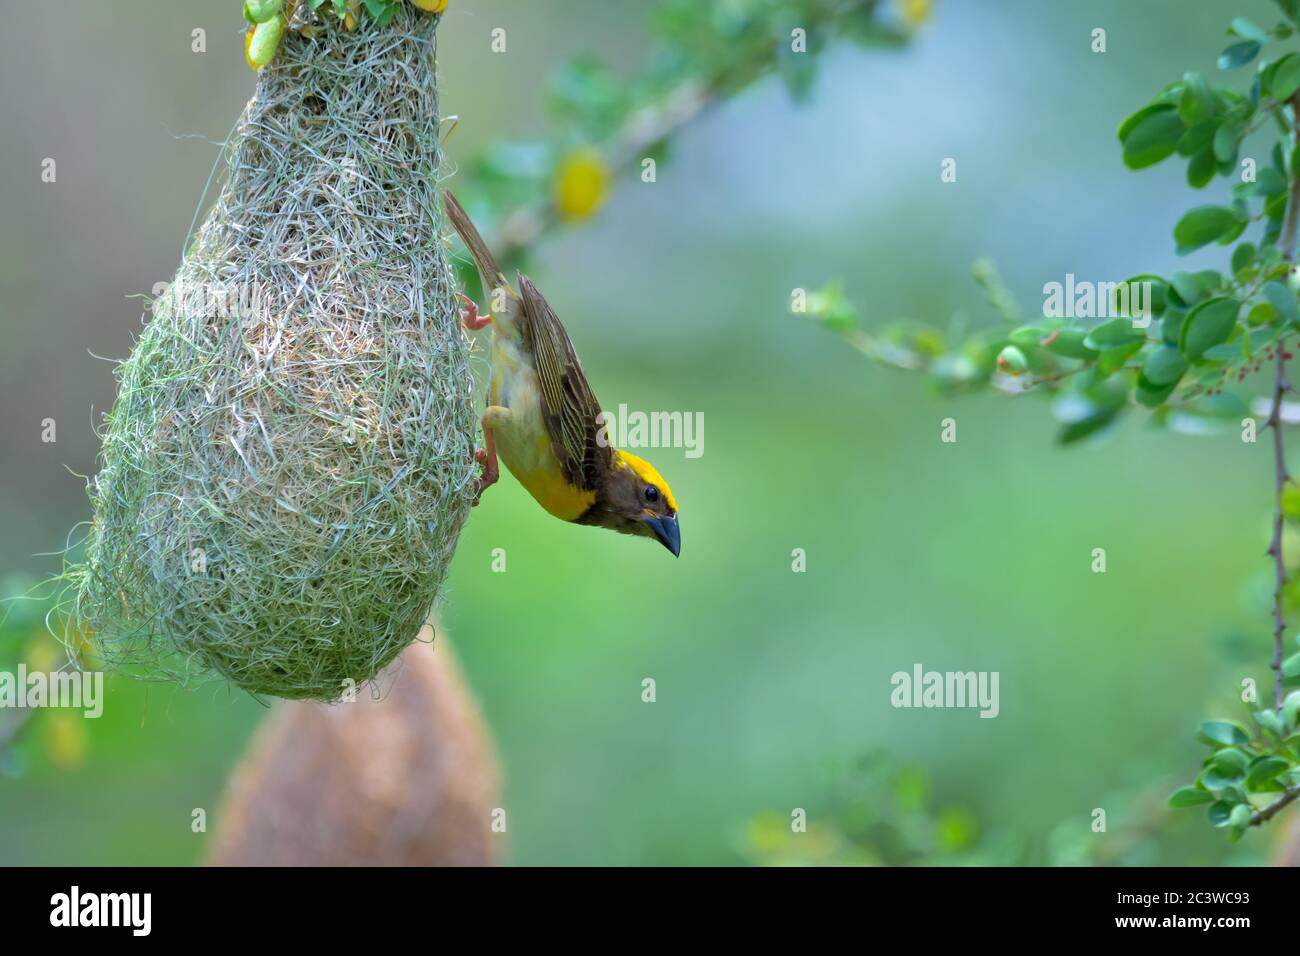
(1196, 103)
(1213, 778)
(1226, 140)
(1243, 256)
(1143, 296)
(1274, 207)
(1270, 722)
(1219, 812)
(1150, 135)
(1112, 360)
(1115, 334)
(1189, 797)
(1268, 181)
(1238, 55)
(1291, 500)
(1282, 299)
(1171, 326)
(1078, 430)
(1201, 169)
(1223, 733)
(1069, 343)
(1207, 325)
(1131, 121)
(1291, 666)
(1229, 760)
(1227, 406)
(798, 69)
(1150, 394)
(1247, 30)
(832, 308)
(1286, 78)
(1027, 336)
(1239, 818)
(259, 11)
(1191, 287)
(1198, 138)
(1290, 711)
(1264, 770)
(1164, 366)
(1222, 354)
(584, 95)
(1261, 314)
(1204, 225)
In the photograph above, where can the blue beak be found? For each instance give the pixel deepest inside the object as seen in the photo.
(667, 531)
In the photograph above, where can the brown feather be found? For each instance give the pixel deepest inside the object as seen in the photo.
(488, 269)
(569, 406)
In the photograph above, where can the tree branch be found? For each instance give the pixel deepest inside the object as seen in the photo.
(1263, 816)
(1280, 387)
(523, 225)
(1280, 475)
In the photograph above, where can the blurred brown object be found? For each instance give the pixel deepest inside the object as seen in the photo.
(408, 780)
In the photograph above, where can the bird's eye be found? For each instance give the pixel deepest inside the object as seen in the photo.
(651, 493)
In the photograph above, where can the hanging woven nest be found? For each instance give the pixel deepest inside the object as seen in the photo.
(289, 460)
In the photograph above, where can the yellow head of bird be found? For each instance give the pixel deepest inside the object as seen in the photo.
(638, 501)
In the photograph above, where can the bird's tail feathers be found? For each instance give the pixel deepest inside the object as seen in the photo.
(487, 266)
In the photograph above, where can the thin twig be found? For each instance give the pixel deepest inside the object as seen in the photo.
(1280, 387)
(526, 223)
(1270, 811)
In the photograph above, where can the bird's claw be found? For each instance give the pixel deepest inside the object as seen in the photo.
(470, 318)
(489, 476)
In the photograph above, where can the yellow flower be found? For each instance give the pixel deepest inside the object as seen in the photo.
(767, 833)
(581, 184)
(42, 653)
(431, 6)
(65, 739)
(915, 12)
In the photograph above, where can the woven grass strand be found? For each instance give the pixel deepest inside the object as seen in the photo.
(289, 461)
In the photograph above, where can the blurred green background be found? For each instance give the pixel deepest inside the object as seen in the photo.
(772, 685)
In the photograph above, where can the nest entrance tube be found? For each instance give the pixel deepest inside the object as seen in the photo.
(289, 460)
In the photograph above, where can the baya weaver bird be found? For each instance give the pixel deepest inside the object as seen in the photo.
(543, 420)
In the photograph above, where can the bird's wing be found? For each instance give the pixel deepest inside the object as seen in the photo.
(568, 404)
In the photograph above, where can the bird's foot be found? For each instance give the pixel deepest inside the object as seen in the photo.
(491, 472)
(470, 318)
